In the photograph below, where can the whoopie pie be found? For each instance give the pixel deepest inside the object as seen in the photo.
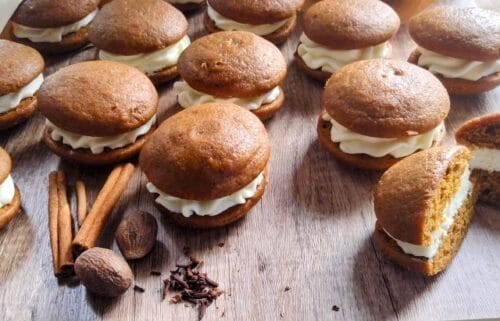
(10, 197)
(53, 26)
(207, 165)
(21, 75)
(149, 35)
(98, 112)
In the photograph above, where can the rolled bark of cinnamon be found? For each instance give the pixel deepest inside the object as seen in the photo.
(64, 227)
(53, 215)
(81, 202)
(103, 207)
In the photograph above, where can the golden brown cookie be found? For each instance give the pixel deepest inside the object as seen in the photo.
(350, 24)
(409, 202)
(206, 152)
(8, 212)
(313, 73)
(98, 98)
(465, 33)
(5, 164)
(21, 113)
(458, 86)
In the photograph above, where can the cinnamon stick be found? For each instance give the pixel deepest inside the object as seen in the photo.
(103, 206)
(65, 233)
(53, 214)
(81, 202)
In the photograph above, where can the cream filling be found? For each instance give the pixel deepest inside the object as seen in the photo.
(51, 34)
(487, 159)
(187, 96)
(98, 144)
(317, 56)
(227, 24)
(185, 1)
(151, 62)
(451, 67)
(7, 191)
(11, 100)
(449, 213)
(353, 143)
(205, 208)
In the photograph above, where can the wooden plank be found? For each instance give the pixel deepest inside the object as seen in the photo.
(312, 232)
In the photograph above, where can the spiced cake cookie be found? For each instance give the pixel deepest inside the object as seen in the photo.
(378, 111)
(21, 74)
(338, 32)
(207, 164)
(98, 112)
(149, 35)
(482, 136)
(10, 197)
(273, 20)
(423, 205)
(233, 66)
(461, 46)
(53, 26)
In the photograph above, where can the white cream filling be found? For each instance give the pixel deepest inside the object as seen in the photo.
(187, 96)
(98, 144)
(487, 159)
(451, 67)
(353, 143)
(449, 213)
(205, 208)
(185, 1)
(227, 24)
(151, 62)
(317, 56)
(51, 34)
(7, 191)
(11, 100)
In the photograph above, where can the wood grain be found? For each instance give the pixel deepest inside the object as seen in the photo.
(312, 232)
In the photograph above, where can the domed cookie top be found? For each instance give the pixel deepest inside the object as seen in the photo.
(52, 13)
(5, 165)
(206, 152)
(232, 64)
(129, 27)
(386, 98)
(19, 65)
(406, 194)
(466, 33)
(350, 24)
(98, 98)
(256, 12)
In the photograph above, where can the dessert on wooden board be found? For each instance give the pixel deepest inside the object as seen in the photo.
(338, 32)
(423, 205)
(135, 33)
(378, 111)
(188, 5)
(482, 136)
(98, 112)
(273, 20)
(10, 197)
(207, 165)
(53, 26)
(460, 45)
(21, 74)
(233, 66)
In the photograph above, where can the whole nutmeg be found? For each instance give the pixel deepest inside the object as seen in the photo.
(136, 234)
(103, 272)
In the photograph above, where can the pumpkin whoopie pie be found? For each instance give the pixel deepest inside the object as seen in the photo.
(188, 5)
(53, 26)
(338, 32)
(482, 136)
(21, 75)
(423, 205)
(379, 111)
(460, 45)
(234, 66)
(207, 164)
(98, 112)
(148, 34)
(271, 19)
(10, 197)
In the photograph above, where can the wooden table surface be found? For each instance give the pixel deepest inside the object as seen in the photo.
(312, 232)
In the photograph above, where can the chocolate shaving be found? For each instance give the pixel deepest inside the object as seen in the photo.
(287, 288)
(156, 273)
(335, 308)
(221, 244)
(138, 289)
(192, 285)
